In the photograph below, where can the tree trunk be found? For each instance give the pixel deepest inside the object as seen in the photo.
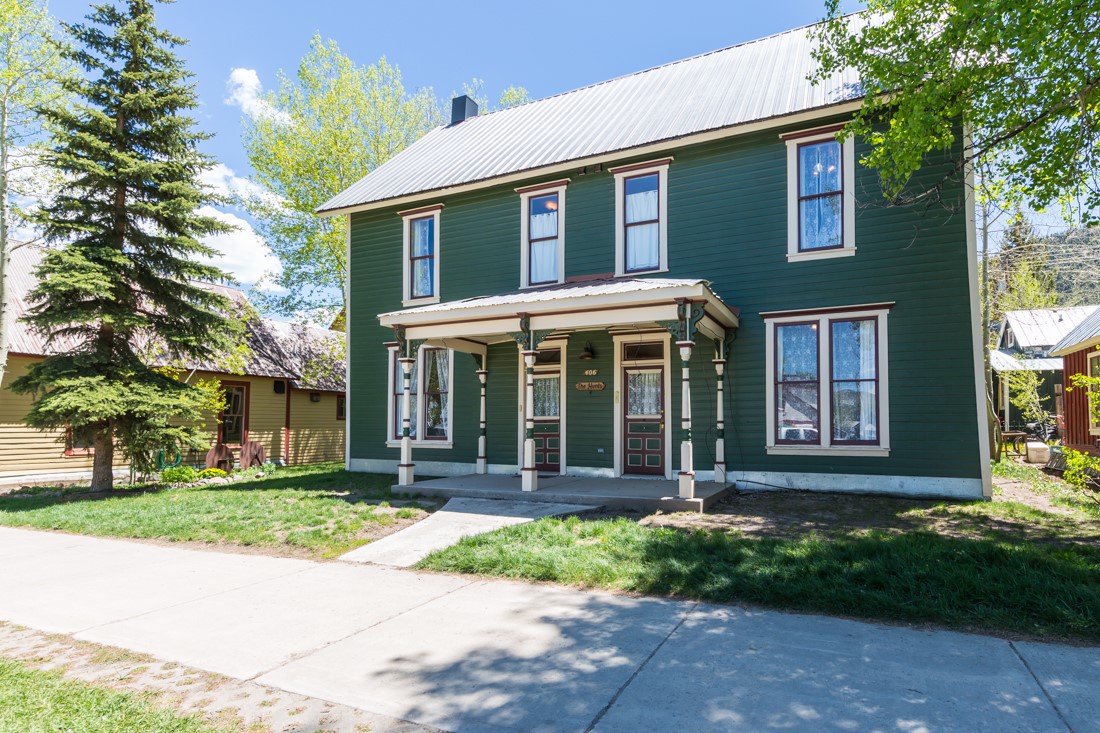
(103, 475)
(6, 323)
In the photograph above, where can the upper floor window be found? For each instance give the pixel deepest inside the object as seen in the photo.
(828, 382)
(820, 195)
(420, 245)
(542, 234)
(641, 219)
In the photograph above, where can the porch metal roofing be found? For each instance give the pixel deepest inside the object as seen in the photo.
(750, 82)
(1004, 361)
(1045, 327)
(1086, 334)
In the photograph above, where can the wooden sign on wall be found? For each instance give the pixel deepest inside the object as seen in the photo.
(590, 386)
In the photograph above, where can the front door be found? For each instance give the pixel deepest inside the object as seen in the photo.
(547, 409)
(644, 421)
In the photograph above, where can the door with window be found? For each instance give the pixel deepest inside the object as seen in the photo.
(644, 421)
(547, 409)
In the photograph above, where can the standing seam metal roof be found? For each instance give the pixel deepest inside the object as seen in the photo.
(1085, 334)
(1044, 327)
(752, 81)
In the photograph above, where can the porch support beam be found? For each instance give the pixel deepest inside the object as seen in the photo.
(405, 468)
(482, 458)
(529, 475)
(720, 440)
(687, 465)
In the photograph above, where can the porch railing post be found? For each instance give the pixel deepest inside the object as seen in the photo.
(482, 459)
(405, 469)
(530, 475)
(687, 465)
(720, 441)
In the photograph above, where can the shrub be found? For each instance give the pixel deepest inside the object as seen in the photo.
(212, 473)
(269, 468)
(179, 475)
(1082, 471)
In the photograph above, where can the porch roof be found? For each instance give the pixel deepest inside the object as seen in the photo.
(571, 306)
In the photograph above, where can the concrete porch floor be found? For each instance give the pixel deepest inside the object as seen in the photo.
(618, 493)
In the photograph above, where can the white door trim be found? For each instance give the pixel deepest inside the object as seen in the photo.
(553, 342)
(619, 402)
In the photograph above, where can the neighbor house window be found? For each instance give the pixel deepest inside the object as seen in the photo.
(233, 428)
(641, 218)
(542, 234)
(79, 441)
(341, 407)
(820, 195)
(1094, 371)
(429, 396)
(420, 245)
(828, 381)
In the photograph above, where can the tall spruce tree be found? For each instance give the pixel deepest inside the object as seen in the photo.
(125, 223)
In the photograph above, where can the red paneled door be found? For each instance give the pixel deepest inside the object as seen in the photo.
(644, 421)
(547, 410)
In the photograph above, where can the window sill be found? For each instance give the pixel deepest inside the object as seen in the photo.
(641, 273)
(825, 254)
(816, 450)
(423, 444)
(541, 285)
(414, 302)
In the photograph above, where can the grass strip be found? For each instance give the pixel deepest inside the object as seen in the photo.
(35, 701)
(1042, 590)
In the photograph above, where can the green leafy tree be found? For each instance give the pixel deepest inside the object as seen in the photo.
(322, 131)
(30, 70)
(128, 235)
(1024, 76)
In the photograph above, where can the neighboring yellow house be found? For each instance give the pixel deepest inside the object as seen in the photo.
(290, 398)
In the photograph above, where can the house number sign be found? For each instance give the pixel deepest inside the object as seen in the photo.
(590, 386)
(591, 372)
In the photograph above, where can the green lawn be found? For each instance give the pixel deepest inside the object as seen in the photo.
(33, 701)
(318, 511)
(986, 566)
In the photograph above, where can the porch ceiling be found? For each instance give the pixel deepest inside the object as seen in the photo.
(602, 303)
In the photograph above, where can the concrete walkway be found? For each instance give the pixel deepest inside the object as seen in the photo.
(475, 655)
(457, 519)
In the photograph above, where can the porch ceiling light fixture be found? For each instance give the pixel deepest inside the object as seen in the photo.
(586, 353)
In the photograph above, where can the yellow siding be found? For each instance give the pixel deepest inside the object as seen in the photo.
(315, 433)
(24, 450)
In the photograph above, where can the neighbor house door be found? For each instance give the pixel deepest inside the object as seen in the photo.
(644, 421)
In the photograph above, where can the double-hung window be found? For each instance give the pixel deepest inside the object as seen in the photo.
(828, 381)
(820, 195)
(420, 247)
(542, 234)
(641, 218)
(429, 397)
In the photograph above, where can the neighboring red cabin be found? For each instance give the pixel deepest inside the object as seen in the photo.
(1080, 350)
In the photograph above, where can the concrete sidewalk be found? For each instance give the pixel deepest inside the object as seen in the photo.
(463, 654)
(457, 518)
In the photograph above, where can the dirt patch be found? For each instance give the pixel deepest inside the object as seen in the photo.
(235, 704)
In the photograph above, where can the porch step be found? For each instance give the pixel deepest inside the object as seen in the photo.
(457, 519)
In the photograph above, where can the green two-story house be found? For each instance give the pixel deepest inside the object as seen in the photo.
(679, 274)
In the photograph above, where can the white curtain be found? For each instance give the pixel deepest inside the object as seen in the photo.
(643, 240)
(443, 379)
(546, 396)
(643, 393)
(544, 261)
(868, 369)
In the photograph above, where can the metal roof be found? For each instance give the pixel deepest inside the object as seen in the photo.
(749, 82)
(1086, 334)
(276, 349)
(1005, 361)
(1042, 328)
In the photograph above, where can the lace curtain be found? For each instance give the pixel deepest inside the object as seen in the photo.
(819, 175)
(797, 404)
(643, 393)
(547, 390)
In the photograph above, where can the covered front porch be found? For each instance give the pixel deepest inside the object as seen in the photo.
(613, 493)
(584, 412)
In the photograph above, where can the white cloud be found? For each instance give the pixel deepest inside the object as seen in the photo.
(245, 91)
(225, 182)
(242, 253)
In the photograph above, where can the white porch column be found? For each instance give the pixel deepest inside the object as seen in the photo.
(720, 441)
(687, 464)
(529, 475)
(482, 459)
(405, 467)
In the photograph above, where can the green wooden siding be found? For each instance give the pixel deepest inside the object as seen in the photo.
(727, 222)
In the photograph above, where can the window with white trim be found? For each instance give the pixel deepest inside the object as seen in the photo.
(641, 218)
(828, 382)
(429, 396)
(542, 235)
(820, 195)
(420, 252)
(1094, 371)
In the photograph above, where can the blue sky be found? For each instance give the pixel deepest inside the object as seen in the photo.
(547, 47)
